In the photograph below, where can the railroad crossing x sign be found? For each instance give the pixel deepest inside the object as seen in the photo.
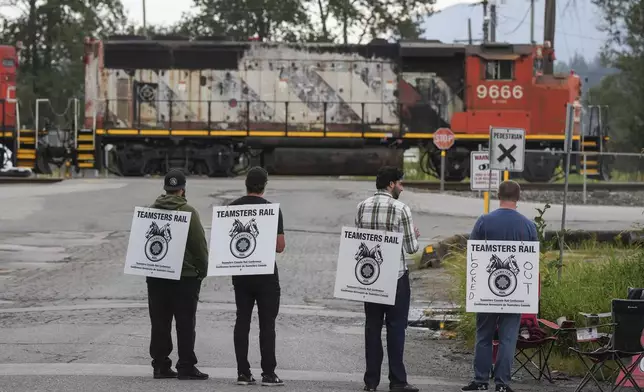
(507, 149)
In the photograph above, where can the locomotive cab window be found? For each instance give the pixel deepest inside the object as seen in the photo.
(8, 63)
(499, 70)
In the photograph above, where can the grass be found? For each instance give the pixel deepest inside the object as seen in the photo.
(413, 171)
(592, 275)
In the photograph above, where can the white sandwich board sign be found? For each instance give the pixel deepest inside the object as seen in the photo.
(243, 239)
(368, 265)
(502, 277)
(157, 243)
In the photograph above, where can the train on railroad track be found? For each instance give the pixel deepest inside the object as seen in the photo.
(213, 106)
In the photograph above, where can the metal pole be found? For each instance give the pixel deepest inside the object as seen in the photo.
(442, 170)
(106, 160)
(532, 21)
(583, 148)
(493, 20)
(584, 178)
(145, 29)
(567, 148)
(485, 21)
(549, 32)
(486, 196)
(76, 110)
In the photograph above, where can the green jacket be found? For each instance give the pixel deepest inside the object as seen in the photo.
(195, 260)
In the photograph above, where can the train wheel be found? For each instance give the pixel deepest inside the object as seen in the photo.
(457, 164)
(540, 167)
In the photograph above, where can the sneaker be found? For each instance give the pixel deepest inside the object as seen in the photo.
(244, 379)
(271, 380)
(503, 388)
(475, 386)
(369, 388)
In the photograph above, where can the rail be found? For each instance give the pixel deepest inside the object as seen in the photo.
(271, 116)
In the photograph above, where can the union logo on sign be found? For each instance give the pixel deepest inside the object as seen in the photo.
(443, 138)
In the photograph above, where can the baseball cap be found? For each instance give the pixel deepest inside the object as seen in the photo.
(256, 176)
(174, 180)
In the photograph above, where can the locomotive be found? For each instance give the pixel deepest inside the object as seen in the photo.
(213, 106)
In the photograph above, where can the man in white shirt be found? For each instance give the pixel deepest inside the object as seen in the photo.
(383, 211)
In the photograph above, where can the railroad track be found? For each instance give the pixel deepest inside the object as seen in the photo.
(533, 186)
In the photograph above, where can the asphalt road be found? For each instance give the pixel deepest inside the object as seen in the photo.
(71, 320)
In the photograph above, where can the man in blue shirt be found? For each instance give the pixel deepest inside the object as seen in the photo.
(503, 224)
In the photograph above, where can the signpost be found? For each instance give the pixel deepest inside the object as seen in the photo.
(567, 147)
(443, 140)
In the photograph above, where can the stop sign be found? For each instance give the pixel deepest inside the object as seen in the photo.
(444, 138)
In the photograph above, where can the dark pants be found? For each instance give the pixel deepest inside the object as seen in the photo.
(178, 299)
(396, 317)
(267, 295)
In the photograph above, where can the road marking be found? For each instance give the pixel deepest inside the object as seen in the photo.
(119, 370)
(300, 310)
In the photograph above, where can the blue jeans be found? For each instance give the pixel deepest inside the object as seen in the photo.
(486, 324)
(396, 318)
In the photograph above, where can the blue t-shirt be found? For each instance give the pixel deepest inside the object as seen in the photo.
(504, 224)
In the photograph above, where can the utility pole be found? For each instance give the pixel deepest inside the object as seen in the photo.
(486, 21)
(469, 30)
(549, 34)
(532, 22)
(145, 29)
(493, 20)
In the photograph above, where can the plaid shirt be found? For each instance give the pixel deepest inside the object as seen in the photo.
(382, 212)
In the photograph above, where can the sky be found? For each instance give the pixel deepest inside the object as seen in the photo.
(167, 12)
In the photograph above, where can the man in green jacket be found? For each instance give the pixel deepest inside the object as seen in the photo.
(178, 298)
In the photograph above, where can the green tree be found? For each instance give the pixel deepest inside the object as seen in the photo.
(308, 20)
(52, 34)
(242, 19)
(624, 93)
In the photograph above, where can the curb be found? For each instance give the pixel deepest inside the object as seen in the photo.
(433, 254)
(29, 180)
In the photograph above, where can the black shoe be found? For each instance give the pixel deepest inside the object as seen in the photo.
(164, 373)
(503, 388)
(244, 379)
(475, 386)
(271, 380)
(403, 388)
(369, 388)
(192, 374)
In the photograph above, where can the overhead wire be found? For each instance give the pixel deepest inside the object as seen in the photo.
(563, 32)
(520, 23)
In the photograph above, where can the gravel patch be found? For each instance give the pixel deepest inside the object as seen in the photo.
(598, 197)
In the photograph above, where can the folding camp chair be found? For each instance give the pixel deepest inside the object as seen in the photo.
(625, 343)
(542, 347)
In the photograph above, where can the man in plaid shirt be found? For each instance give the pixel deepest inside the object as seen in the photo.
(383, 211)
